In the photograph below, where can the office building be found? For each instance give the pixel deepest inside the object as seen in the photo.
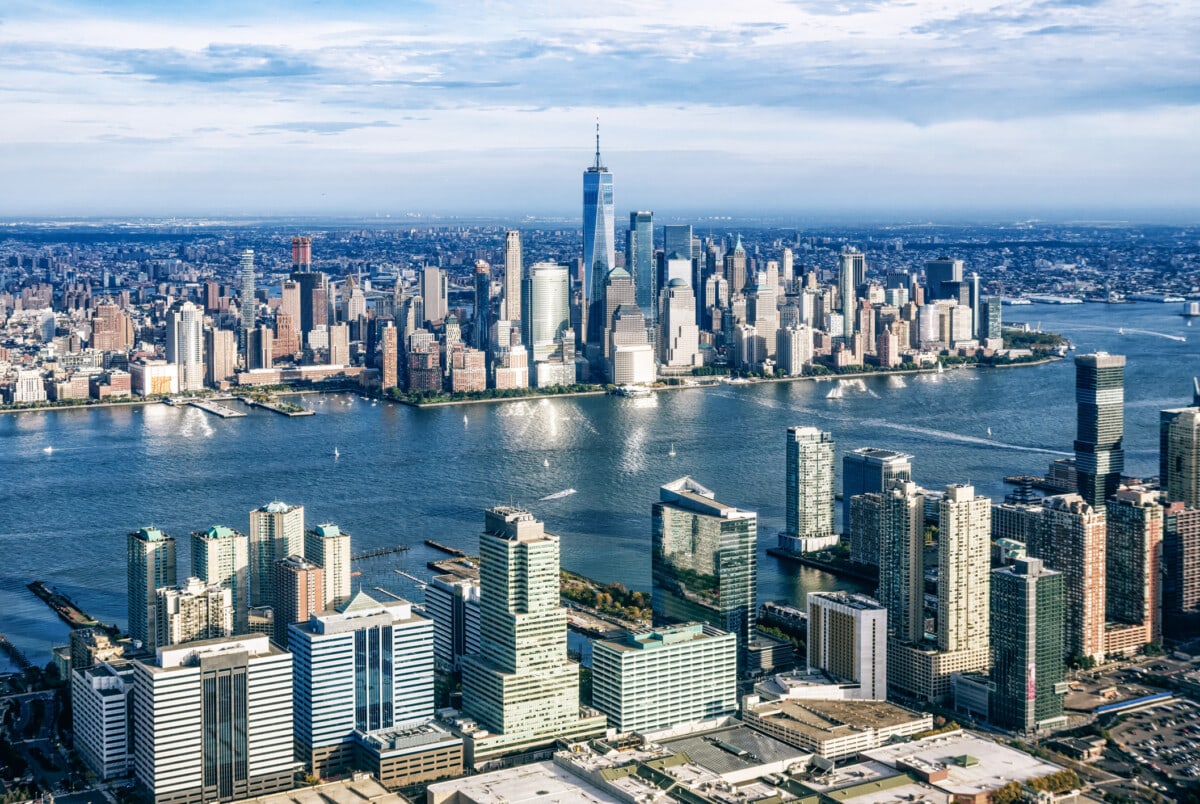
(194, 611)
(452, 602)
(599, 243)
(435, 291)
(1027, 645)
(618, 291)
(1072, 540)
(1165, 417)
(298, 592)
(547, 313)
(809, 494)
(639, 260)
(220, 555)
(481, 322)
(678, 335)
(851, 274)
(365, 667)
(521, 687)
(677, 239)
(660, 678)
(249, 305)
(870, 470)
(510, 303)
(184, 345)
(1180, 458)
(276, 532)
(260, 348)
(101, 709)
(339, 345)
(703, 562)
(1181, 571)
(213, 721)
(1133, 573)
(941, 277)
(150, 564)
(901, 540)
(329, 548)
(220, 356)
(735, 268)
(847, 638)
(1100, 425)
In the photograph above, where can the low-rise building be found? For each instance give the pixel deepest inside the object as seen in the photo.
(833, 729)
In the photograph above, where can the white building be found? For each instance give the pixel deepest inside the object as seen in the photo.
(847, 638)
(28, 386)
(679, 337)
(150, 377)
(213, 721)
(453, 603)
(329, 547)
(220, 555)
(547, 300)
(101, 700)
(276, 532)
(659, 678)
(365, 667)
(185, 345)
(194, 611)
(794, 349)
(633, 365)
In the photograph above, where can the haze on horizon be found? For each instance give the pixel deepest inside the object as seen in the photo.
(1022, 107)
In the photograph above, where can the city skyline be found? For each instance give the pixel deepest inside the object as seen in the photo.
(364, 110)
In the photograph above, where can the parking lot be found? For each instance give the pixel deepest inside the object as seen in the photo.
(1163, 740)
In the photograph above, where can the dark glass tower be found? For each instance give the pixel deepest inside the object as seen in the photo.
(870, 470)
(1100, 425)
(1027, 644)
(598, 243)
(639, 260)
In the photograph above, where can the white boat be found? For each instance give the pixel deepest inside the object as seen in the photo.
(835, 392)
(671, 454)
(558, 495)
(48, 450)
(989, 432)
(546, 463)
(1121, 331)
(336, 454)
(464, 418)
(941, 368)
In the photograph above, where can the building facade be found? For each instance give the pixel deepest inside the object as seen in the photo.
(276, 532)
(847, 638)
(1027, 645)
(1100, 425)
(150, 565)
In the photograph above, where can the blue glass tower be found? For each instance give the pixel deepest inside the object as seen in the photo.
(598, 243)
(639, 260)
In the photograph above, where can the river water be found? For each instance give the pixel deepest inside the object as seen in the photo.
(405, 475)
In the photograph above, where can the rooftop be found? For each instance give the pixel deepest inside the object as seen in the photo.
(362, 788)
(733, 749)
(539, 783)
(825, 720)
(995, 765)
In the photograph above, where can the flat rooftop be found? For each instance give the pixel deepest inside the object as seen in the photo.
(732, 749)
(361, 789)
(823, 720)
(994, 765)
(539, 783)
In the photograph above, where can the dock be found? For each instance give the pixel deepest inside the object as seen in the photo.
(380, 551)
(63, 606)
(447, 550)
(216, 408)
(14, 654)
(421, 584)
(282, 408)
(839, 569)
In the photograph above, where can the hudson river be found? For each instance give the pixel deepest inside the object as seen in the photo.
(405, 475)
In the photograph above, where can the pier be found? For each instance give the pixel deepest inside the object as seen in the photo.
(842, 569)
(447, 550)
(420, 583)
(63, 606)
(282, 408)
(14, 654)
(215, 408)
(381, 551)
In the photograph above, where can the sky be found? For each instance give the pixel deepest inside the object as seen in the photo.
(873, 108)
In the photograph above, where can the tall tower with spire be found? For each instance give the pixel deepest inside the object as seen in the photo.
(599, 237)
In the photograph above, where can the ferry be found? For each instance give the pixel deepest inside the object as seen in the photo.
(633, 391)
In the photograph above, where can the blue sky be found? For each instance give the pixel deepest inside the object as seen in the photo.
(805, 107)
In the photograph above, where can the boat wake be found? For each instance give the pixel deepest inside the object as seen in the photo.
(965, 439)
(558, 495)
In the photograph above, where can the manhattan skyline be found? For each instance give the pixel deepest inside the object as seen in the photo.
(878, 109)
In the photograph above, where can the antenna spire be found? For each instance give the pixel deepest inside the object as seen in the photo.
(598, 143)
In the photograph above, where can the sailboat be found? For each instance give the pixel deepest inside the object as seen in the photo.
(1121, 330)
(336, 454)
(464, 418)
(835, 392)
(546, 463)
(671, 454)
(941, 368)
(48, 450)
(989, 432)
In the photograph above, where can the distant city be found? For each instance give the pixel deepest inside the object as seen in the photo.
(1036, 648)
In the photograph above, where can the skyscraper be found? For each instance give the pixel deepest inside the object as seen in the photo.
(1027, 621)
(185, 339)
(847, 638)
(297, 592)
(941, 277)
(1133, 574)
(482, 321)
(248, 302)
(329, 547)
(1180, 459)
(193, 611)
(678, 334)
(599, 242)
(213, 721)
(618, 290)
(809, 493)
(220, 556)
(1100, 425)
(851, 274)
(436, 293)
(220, 355)
(1071, 539)
(521, 686)
(453, 603)
(150, 564)
(868, 469)
(1165, 417)
(276, 532)
(510, 305)
(964, 569)
(547, 312)
(703, 561)
(639, 260)
(901, 558)
(364, 668)
(1181, 571)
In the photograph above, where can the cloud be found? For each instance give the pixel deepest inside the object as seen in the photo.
(324, 126)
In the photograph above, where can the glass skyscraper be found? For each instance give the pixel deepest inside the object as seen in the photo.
(1027, 644)
(639, 260)
(810, 475)
(1100, 425)
(599, 237)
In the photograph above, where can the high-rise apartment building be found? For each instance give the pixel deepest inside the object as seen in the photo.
(901, 529)
(194, 611)
(656, 679)
(328, 547)
(1072, 540)
(1181, 571)
(847, 638)
(1027, 645)
(364, 668)
(639, 260)
(851, 274)
(1133, 574)
(298, 592)
(870, 470)
(510, 304)
(185, 340)
(220, 555)
(150, 565)
(521, 687)
(453, 604)
(220, 355)
(276, 532)
(964, 569)
(1179, 461)
(599, 243)
(1100, 425)
(249, 305)
(809, 496)
(703, 562)
(213, 721)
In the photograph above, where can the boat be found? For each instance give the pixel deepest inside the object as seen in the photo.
(464, 418)
(1121, 330)
(835, 392)
(940, 368)
(48, 450)
(558, 495)
(671, 454)
(336, 454)
(989, 432)
(546, 463)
